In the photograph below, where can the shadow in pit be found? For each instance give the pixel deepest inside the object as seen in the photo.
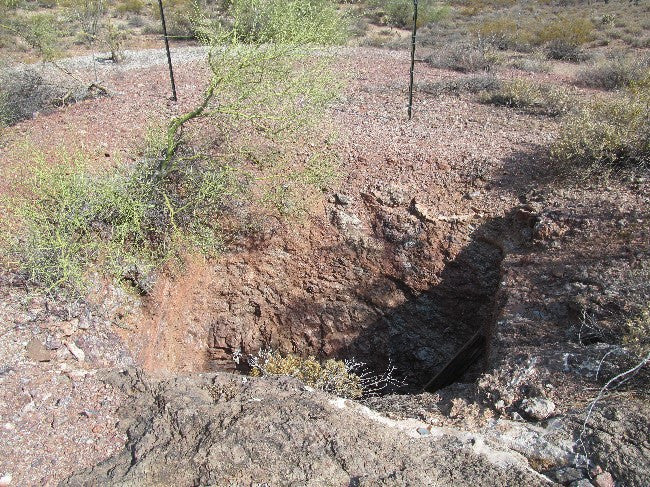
(420, 336)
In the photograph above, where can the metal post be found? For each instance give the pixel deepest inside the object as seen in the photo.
(415, 24)
(169, 56)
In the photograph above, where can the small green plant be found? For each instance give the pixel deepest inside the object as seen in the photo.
(115, 39)
(611, 132)
(122, 223)
(332, 376)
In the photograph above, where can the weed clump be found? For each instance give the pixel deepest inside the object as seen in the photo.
(608, 133)
(332, 376)
(637, 336)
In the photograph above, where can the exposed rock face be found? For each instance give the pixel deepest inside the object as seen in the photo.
(228, 430)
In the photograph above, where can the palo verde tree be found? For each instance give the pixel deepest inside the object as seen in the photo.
(267, 68)
(269, 79)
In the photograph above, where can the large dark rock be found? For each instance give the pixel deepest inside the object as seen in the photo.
(221, 429)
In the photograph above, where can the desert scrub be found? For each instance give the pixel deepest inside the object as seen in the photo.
(608, 133)
(265, 92)
(535, 98)
(399, 13)
(615, 73)
(332, 376)
(464, 57)
(123, 223)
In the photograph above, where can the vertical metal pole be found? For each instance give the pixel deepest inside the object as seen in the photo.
(415, 24)
(169, 56)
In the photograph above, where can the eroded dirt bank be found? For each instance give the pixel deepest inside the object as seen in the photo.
(438, 229)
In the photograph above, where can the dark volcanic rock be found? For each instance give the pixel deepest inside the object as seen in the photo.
(223, 429)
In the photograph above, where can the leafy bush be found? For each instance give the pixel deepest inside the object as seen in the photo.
(332, 376)
(123, 223)
(41, 32)
(466, 58)
(608, 132)
(308, 22)
(615, 73)
(532, 97)
(564, 36)
(399, 13)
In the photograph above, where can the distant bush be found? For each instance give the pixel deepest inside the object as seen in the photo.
(399, 13)
(530, 64)
(257, 20)
(463, 57)
(564, 36)
(532, 98)
(615, 73)
(130, 6)
(564, 51)
(506, 33)
(608, 132)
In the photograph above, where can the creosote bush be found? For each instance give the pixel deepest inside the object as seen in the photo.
(464, 57)
(615, 73)
(610, 132)
(532, 97)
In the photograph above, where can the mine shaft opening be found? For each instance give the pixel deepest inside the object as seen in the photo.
(433, 337)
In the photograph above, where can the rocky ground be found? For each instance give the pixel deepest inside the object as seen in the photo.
(440, 227)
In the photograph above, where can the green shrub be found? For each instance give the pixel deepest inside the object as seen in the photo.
(399, 13)
(331, 376)
(532, 97)
(609, 132)
(564, 36)
(72, 219)
(463, 57)
(130, 6)
(311, 21)
(41, 32)
(174, 199)
(615, 73)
